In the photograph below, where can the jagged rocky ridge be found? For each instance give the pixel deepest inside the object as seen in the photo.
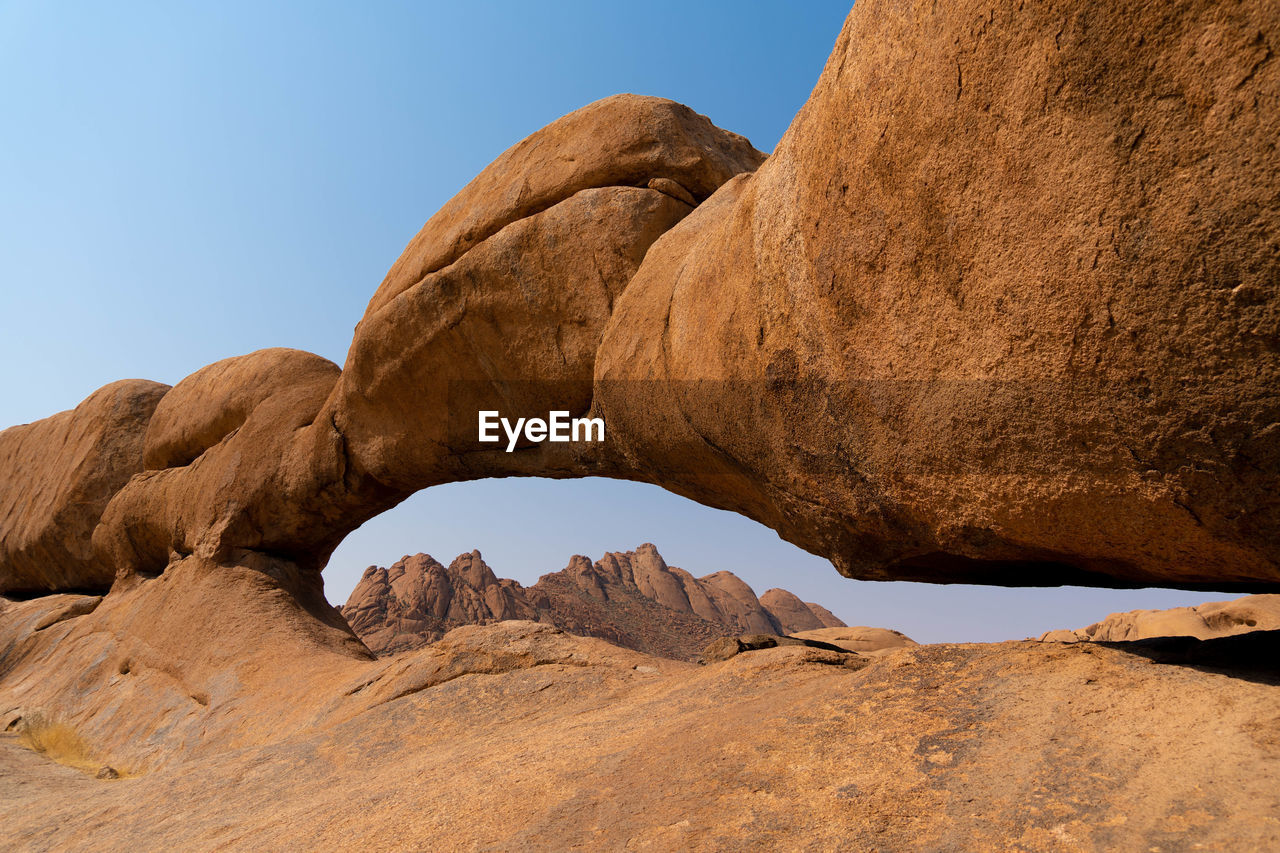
(630, 598)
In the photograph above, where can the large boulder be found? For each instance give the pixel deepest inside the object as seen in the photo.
(621, 141)
(737, 601)
(59, 474)
(237, 461)
(1001, 307)
(500, 302)
(216, 400)
(964, 325)
(860, 638)
(512, 326)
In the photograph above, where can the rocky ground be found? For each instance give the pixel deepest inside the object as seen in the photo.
(517, 736)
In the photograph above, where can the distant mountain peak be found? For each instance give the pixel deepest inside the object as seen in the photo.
(630, 598)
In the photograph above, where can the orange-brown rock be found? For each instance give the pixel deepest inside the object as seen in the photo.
(860, 638)
(630, 598)
(156, 668)
(794, 615)
(726, 647)
(499, 303)
(216, 400)
(620, 587)
(721, 598)
(417, 600)
(513, 735)
(1053, 358)
(1002, 306)
(248, 466)
(586, 605)
(737, 603)
(512, 326)
(622, 141)
(1205, 622)
(58, 475)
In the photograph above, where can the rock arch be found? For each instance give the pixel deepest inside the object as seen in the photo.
(959, 327)
(964, 325)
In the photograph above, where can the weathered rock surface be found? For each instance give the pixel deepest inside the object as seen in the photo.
(1205, 622)
(513, 326)
(417, 600)
(622, 615)
(860, 638)
(963, 325)
(518, 736)
(217, 400)
(727, 647)
(58, 475)
(630, 598)
(238, 462)
(621, 141)
(1001, 306)
(794, 615)
(156, 669)
(500, 302)
(721, 597)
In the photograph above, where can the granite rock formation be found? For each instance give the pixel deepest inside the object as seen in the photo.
(630, 598)
(417, 600)
(59, 475)
(962, 325)
(500, 302)
(518, 736)
(721, 598)
(794, 615)
(1205, 622)
(1001, 307)
(860, 638)
(724, 648)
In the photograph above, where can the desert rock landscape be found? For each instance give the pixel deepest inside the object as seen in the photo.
(1204, 622)
(630, 598)
(517, 736)
(1002, 307)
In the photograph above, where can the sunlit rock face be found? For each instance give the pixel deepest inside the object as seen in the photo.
(1001, 306)
(1208, 621)
(630, 598)
(58, 474)
(964, 325)
(500, 302)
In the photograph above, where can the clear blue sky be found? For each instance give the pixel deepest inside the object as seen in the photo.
(184, 182)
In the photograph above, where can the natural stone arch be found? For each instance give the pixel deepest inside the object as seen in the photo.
(886, 343)
(959, 327)
(500, 302)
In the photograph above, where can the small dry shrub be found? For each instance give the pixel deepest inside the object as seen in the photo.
(59, 742)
